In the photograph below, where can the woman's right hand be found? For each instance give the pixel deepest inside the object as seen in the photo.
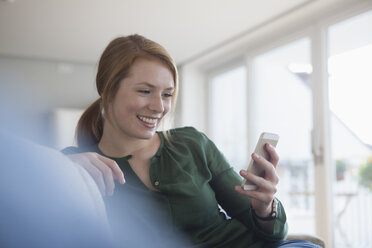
(103, 170)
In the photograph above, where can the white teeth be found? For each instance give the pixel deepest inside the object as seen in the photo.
(148, 120)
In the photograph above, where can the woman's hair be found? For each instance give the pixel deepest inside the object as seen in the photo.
(114, 65)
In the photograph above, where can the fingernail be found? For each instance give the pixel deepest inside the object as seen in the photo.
(243, 172)
(255, 155)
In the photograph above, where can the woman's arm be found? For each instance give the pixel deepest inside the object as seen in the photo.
(239, 203)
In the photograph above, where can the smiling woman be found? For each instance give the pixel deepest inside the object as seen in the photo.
(175, 180)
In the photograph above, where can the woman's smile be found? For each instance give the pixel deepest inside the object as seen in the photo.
(148, 121)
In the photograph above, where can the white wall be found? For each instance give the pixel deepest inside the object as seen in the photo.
(30, 89)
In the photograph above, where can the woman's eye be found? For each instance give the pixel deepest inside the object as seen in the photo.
(144, 91)
(168, 95)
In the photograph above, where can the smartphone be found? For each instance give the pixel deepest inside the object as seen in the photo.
(253, 167)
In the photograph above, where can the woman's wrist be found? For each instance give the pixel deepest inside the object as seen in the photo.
(263, 212)
(269, 214)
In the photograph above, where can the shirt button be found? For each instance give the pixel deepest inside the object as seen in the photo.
(156, 183)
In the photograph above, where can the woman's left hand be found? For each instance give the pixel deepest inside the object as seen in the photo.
(262, 198)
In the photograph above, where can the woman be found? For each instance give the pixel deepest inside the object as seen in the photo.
(178, 178)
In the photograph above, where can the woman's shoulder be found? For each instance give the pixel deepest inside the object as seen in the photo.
(187, 136)
(187, 132)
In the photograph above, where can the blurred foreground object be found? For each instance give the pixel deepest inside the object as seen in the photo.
(46, 200)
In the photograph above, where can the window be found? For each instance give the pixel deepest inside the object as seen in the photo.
(228, 111)
(282, 103)
(350, 88)
(275, 94)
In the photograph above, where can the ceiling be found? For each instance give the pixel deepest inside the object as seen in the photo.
(78, 30)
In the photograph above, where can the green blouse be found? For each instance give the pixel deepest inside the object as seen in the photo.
(194, 181)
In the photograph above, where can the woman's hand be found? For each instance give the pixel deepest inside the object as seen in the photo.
(103, 170)
(262, 198)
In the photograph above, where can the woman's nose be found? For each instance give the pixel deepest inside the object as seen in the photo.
(157, 104)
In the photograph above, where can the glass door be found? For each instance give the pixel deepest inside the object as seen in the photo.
(350, 101)
(280, 101)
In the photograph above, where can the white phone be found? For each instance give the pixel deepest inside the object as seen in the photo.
(253, 167)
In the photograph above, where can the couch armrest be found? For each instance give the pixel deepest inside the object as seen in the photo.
(311, 238)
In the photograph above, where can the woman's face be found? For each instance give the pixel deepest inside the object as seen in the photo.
(142, 100)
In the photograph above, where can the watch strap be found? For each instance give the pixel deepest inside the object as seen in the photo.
(273, 214)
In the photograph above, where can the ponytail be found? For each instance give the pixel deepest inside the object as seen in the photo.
(90, 126)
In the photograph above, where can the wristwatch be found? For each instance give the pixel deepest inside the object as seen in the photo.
(273, 214)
